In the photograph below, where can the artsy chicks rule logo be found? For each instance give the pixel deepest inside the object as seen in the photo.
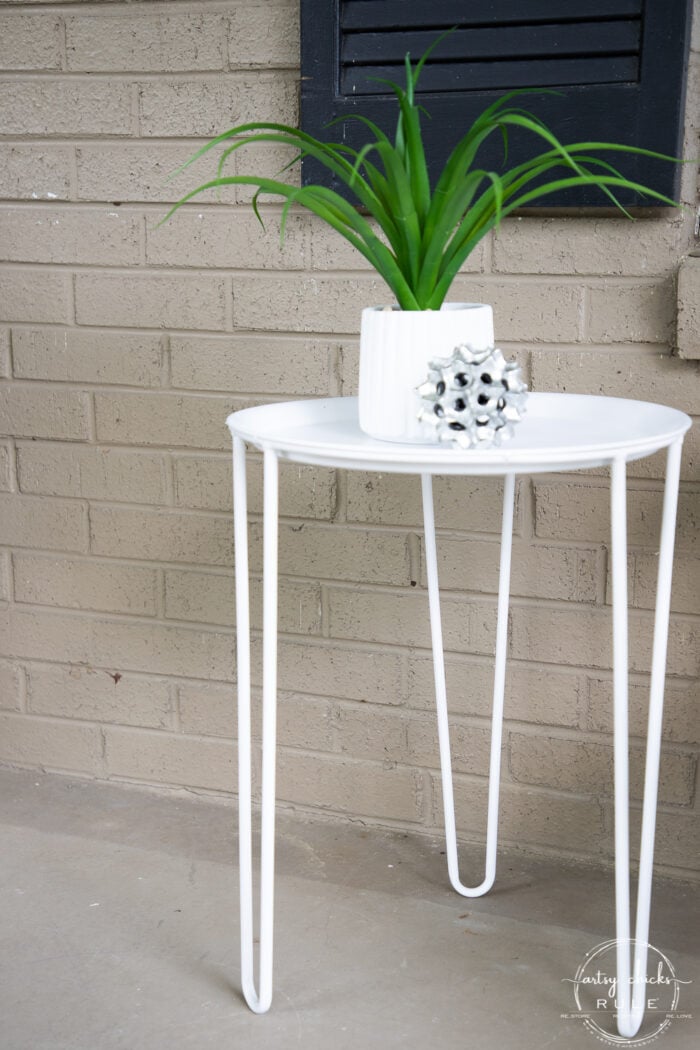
(598, 1000)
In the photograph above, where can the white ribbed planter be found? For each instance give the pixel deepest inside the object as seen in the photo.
(396, 347)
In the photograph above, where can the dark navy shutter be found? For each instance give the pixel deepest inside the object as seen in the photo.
(619, 68)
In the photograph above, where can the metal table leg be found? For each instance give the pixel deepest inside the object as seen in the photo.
(441, 690)
(632, 986)
(259, 1003)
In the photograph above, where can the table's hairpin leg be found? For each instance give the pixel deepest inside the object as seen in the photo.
(258, 1002)
(632, 986)
(441, 689)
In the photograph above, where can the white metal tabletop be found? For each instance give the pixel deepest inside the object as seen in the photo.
(558, 432)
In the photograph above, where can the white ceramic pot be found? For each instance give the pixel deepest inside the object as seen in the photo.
(396, 348)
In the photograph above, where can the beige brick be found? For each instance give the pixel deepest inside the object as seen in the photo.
(168, 536)
(304, 304)
(677, 840)
(164, 758)
(29, 521)
(151, 300)
(641, 375)
(266, 160)
(145, 42)
(571, 510)
(135, 171)
(10, 686)
(41, 234)
(637, 313)
(331, 251)
(98, 695)
(583, 637)
(35, 295)
(51, 106)
(228, 239)
(252, 364)
(206, 597)
(164, 419)
(586, 766)
(681, 722)
(91, 472)
(33, 411)
(544, 697)
(305, 491)
(50, 744)
(466, 564)
(472, 504)
(77, 356)
(302, 721)
(35, 172)
(528, 819)
(207, 710)
(204, 483)
(469, 745)
(30, 41)
(209, 106)
(399, 618)
(348, 786)
(642, 574)
(6, 467)
(337, 671)
(688, 314)
(529, 311)
(377, 733)
(262, 34)
(337, 553)
(601, 247)
(116, 644)
(84, 584)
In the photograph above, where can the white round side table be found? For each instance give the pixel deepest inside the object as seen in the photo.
(560, 432)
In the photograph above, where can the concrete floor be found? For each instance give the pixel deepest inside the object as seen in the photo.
(119, 931)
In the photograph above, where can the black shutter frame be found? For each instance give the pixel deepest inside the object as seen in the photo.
(647, 113)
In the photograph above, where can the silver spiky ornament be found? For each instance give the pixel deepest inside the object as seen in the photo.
(473, 397)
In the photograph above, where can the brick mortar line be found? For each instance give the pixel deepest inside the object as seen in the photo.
(119, 726)
(31, 661)
(669, 747)
(291, 276)
(352, 525)
(636, 677)
(286, 74)
(462, 598)
(241, 334)
(373, 649)
(151, 6)
(587, 736)
(490, 599)
(107, 139)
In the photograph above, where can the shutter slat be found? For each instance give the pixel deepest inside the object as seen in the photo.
(611, 85)
(591, 38)
(481, 76)
(396, 14)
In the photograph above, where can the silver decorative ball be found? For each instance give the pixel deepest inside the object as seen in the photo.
(473, 397)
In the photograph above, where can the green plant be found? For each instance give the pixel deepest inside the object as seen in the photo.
(423, 236)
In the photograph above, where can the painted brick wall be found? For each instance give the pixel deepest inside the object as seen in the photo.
(123, 347)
